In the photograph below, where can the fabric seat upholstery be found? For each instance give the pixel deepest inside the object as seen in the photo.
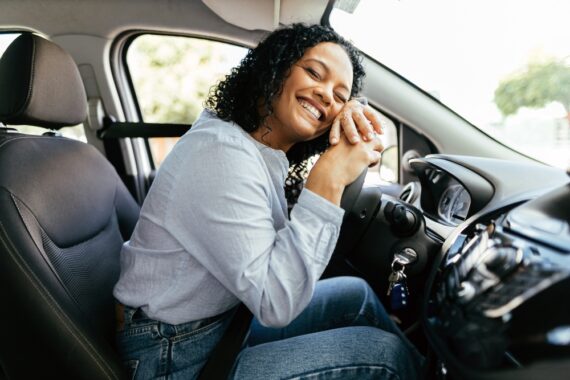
(64, 214)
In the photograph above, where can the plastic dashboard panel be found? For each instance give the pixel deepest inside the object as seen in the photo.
(435, 175)
(496, 280)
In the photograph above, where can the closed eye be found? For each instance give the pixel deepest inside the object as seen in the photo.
(313, 73)
(341, 98)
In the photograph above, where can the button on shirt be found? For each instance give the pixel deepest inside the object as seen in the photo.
(214, 231)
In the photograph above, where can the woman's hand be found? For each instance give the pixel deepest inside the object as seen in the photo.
(356, 120)
(340, 165)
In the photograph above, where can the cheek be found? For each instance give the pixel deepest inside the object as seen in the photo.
(335, 111)
(287, 98)
(281, 105)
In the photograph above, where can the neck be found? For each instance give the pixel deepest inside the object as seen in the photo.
(268, 136)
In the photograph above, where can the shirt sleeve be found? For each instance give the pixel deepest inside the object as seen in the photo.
(222, 215)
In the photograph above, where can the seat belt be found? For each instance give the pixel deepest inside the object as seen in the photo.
(223, 357)
(116, 130)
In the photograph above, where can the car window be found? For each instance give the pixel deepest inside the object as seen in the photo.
(172, 77)
(5, 40)
(76, 132)
(502, 65)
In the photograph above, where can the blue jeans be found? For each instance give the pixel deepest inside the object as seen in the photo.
(344, 333)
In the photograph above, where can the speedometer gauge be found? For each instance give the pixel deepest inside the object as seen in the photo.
(454, 204)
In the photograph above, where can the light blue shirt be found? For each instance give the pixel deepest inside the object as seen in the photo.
(214, 231)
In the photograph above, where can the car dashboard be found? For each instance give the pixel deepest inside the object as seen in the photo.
(495, 300)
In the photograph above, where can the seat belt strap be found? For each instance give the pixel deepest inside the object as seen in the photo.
(223, 357)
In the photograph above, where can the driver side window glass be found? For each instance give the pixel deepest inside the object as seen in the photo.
(172, 76)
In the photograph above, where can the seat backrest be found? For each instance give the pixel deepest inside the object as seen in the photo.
(64, 214)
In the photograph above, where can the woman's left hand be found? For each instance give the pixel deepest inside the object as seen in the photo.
(357, 121)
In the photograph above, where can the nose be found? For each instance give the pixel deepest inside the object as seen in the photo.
(325, 93)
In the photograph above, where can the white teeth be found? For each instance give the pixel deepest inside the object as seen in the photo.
(315, 112)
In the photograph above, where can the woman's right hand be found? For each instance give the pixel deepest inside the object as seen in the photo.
(340, 165)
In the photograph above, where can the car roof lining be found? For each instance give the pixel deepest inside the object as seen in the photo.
(267, 14)
(244, 20)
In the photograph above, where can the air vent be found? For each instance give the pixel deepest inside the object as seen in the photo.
(410, 192)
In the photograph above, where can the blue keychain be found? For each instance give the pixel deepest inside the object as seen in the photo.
(397, 289)
(399, 296)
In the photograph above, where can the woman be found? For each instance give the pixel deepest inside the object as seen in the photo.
(214, 229)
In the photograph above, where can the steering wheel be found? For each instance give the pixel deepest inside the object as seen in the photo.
(354, 221)
(351, 193)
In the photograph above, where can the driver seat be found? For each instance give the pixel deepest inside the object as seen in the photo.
(64, 215)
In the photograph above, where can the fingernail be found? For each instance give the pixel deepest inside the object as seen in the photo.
(334, 140)
(354, 138)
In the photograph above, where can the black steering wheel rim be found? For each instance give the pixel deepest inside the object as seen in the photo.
(351, 192)
(357, 216)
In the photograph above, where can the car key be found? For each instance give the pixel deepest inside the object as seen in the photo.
(394, 278)
(398, 289)
(399, 293)
(398, 265)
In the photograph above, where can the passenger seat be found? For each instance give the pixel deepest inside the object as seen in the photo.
(64, 214)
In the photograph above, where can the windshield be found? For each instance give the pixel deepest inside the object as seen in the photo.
(502, 65)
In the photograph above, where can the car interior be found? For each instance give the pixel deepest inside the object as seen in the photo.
(477, 233)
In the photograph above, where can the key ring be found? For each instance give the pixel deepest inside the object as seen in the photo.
(399, 262)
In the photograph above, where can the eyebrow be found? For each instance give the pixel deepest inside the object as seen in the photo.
(327, 69)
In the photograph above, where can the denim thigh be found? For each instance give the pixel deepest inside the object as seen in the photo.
(344, 333)
(337, 302)
(152, 349)
(359, 353)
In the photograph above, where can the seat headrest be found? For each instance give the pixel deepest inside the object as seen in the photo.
(40, 85)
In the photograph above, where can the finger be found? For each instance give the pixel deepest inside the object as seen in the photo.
(373, 157)
(353, 104)
(377, 145)
(374, 118)
(347, 124)
(364, 126)
(334, 134)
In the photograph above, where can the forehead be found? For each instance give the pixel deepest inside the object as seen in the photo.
(335, 58)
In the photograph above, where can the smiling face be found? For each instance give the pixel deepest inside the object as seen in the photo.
(316, 89)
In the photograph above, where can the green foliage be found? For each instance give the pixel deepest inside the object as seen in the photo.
(172, 75)
(540, 84)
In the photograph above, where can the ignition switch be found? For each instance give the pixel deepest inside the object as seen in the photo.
(403, 219)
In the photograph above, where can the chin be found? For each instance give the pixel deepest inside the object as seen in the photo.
(313, 136)
(309, 136)
(308, 131)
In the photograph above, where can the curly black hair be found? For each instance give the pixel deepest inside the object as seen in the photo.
(246, 95)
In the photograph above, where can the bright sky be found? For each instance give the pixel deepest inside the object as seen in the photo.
(459, 49)
(5, 40)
